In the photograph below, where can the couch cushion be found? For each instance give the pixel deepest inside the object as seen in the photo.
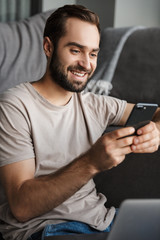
(21, 51)
(136, 79)
(137, 76)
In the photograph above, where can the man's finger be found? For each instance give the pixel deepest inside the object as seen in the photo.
(147, 128)
(121, 133)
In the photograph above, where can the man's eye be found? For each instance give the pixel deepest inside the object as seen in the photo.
(93, 55)
(75, 51)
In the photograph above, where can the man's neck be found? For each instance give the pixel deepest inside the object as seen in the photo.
(52, 92)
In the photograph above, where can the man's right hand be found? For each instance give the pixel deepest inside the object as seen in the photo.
(111, 149)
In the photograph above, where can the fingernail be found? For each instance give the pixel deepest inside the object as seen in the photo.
(136, 140)
(133, 147)
(139, 132)
(132, 130)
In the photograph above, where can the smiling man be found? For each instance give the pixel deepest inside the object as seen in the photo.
(80, 56)
(51, 136)
(70, 63)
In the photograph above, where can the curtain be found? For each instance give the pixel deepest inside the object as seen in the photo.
(12, 10)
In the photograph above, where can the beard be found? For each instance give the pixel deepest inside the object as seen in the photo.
(57, 72)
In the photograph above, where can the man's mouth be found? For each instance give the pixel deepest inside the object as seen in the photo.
(79, 74)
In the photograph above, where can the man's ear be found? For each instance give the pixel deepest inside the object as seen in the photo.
(48, 46)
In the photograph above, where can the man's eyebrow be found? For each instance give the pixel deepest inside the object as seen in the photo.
(80, 46)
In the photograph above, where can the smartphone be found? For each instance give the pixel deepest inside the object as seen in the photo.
(141, 115)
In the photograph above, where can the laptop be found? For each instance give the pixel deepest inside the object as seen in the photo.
(136, 220)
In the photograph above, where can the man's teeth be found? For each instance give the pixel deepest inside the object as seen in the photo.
(78, 74)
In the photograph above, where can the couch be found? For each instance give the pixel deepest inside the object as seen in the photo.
(128, 64)
(136, 78)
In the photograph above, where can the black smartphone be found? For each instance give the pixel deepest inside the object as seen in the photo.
(141, 115)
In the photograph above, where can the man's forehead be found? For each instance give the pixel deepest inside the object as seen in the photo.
(82, 32)
(74, 22)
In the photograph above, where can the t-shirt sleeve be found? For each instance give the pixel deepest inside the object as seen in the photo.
(105, 110)
(15, 138)
(116, 108)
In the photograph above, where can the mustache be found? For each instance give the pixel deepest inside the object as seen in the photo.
(79, 68)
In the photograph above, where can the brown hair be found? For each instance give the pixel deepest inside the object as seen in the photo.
(55, 25)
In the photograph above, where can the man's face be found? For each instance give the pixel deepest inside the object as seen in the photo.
(75, 58)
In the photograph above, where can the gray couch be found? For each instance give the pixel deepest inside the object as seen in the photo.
(21, 51)
(129, 60)
(136, 79)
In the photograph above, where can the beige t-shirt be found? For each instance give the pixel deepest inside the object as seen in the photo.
(32, 127)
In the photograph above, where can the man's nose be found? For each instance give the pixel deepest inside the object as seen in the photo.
(85, 62)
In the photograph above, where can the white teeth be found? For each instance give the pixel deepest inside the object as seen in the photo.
(79, 74)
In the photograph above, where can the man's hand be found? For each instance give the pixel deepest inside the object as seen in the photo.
(111, 149)
(148, 139)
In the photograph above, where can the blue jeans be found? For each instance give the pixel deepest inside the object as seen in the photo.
(72, 227)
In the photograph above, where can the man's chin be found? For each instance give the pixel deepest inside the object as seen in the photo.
(79, 86)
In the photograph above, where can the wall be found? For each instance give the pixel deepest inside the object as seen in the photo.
(117, 13)
(104, 8)
(137, 12)
(51, 4)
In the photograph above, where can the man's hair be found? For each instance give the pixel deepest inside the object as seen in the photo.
(56, 24)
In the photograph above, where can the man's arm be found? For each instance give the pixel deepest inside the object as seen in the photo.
(156, 118)
(126, 114)
(29, 197)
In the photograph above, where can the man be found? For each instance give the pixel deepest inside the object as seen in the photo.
(51, 135)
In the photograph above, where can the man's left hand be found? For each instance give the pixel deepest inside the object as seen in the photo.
(147, 139)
